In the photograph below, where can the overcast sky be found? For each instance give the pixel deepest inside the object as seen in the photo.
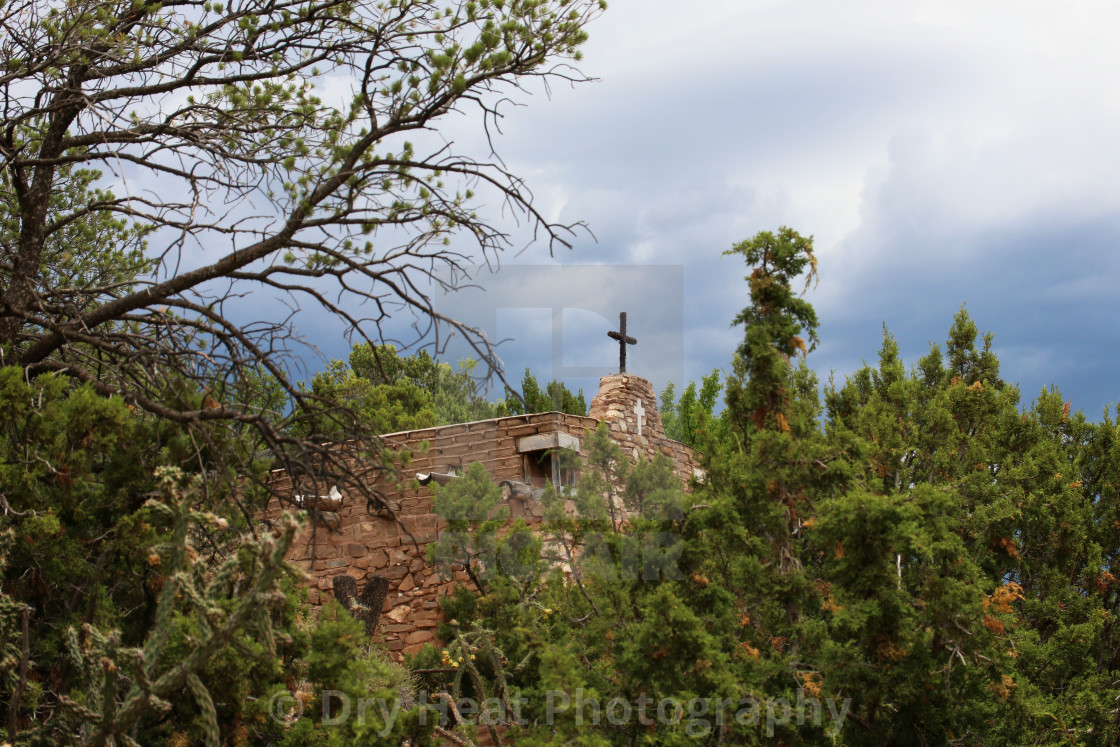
(941, 153)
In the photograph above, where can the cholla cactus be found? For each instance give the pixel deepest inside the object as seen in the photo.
(124, 684)
(473, 657)
(13, 642)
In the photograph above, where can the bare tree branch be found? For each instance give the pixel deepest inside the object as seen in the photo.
(159, 162)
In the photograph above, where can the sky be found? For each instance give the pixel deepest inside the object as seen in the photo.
(940, 153)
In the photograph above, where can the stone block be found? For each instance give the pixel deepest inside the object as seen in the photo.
(399, 627)
(300, 552)
(413, 649)
(399, 613)
(394, 572)
(522, 430)
(420, 636)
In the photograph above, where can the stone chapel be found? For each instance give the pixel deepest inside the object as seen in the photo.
(376, 555)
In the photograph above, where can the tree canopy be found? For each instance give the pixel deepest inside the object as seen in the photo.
(916, 552)
(159, 161)
(168, 171)
(915, 558)
(391, 392)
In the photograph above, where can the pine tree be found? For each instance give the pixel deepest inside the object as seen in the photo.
(556, 397)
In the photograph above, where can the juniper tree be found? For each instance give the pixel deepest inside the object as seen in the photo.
(136, 603)
(1001, 547)
(924, 557)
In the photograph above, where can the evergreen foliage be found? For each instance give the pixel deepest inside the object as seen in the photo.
(686, 419)
(131, 229)
(141, 601)
(138, 606)
(391, 392)
(555, 397)
(479, 539)
(916, 558)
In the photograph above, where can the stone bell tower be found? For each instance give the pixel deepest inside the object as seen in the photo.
(628, 406)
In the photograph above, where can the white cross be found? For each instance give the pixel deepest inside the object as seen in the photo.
(639, 411)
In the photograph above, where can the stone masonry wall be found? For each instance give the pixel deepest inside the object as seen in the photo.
(368, 545)
(637, 428)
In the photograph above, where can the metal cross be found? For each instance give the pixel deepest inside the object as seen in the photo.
(623, 341)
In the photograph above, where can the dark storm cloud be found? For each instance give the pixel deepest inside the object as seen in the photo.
(940, 152)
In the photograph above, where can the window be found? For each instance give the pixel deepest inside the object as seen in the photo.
(549, 458)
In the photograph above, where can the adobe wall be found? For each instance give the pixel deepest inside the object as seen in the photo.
(368, 545)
